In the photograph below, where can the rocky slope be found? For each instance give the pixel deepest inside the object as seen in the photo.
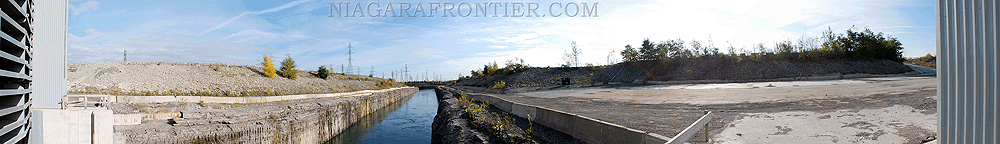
(200, 79)
(690, 69)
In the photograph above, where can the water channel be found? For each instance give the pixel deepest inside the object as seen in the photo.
(405, 121)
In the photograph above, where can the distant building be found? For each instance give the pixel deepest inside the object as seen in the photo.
(16, 70)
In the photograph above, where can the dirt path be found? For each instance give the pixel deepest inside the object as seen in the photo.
(877, 110)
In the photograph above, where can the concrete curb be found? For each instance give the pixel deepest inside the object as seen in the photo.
(581, 127)
(253, 99)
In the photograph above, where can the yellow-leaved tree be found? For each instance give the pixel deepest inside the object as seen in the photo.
(268, 65)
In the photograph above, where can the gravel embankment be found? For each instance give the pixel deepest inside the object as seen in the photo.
(542, 77)
(708, 69)
(691, 69)
(200, 79)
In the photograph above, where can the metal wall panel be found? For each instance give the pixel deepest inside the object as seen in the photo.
(50, 53)
(967, 66)
(15, 70)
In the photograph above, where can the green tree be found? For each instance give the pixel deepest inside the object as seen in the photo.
(831, 46)
(288, 67)
(648, 51)
(868, 45)
(322, 72)
(673, 49)
(629, 54)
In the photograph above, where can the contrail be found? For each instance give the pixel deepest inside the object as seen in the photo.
(285, 6)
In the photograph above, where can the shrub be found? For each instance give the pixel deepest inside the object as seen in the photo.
(288, 67)
(927, 58)
(498, 85)
(387, 83)
(322, 72)
(516, 65)
(268, 65)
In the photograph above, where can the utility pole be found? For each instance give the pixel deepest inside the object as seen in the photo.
(349, 59)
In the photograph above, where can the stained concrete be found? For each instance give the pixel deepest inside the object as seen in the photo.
(729, 93)
(883, 125)
(300, 122)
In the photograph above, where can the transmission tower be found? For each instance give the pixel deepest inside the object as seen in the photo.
(406, 72)
(350, 60)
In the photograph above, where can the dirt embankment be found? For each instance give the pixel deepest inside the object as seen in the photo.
(200, 79)
(688, 69)
(462, 122)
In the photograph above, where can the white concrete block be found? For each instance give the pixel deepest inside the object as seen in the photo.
(71, 126)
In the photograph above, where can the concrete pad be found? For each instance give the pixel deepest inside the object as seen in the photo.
(842, 126)
(727, 93)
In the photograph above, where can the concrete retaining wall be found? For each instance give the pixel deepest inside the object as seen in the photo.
(584, 128)
(300, 122)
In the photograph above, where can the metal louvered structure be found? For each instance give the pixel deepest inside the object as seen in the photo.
(967, 71)
(15, 70)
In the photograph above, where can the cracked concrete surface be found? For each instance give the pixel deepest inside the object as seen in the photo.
(884, 125)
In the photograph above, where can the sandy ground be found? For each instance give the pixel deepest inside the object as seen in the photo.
(867, 110)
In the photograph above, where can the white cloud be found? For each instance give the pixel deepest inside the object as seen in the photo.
(90, 5)
(285, 6)
(96, 47)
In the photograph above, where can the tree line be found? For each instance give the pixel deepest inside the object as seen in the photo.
(854, 45)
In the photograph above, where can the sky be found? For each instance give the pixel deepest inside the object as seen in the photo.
(313, 34)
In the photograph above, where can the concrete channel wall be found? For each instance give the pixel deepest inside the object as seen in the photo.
(581, 127)
(313, 121)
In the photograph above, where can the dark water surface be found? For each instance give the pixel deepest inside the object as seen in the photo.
(406, 121)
